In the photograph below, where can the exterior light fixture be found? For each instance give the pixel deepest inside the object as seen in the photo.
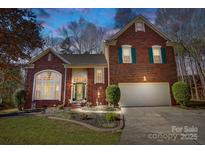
(98, 94)
(144, 78)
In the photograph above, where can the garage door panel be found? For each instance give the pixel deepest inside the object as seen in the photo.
(145, 94)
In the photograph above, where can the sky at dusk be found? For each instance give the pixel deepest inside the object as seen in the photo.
(53, 19)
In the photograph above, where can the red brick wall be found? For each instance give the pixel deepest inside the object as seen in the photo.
(93, 89)
(42, 64)
(135, 72)
(57, 64)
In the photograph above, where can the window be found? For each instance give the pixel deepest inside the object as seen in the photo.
(47, 85)
(157, 54)
(126, 54)
(79, 75)
(139, 26)
(99, 75)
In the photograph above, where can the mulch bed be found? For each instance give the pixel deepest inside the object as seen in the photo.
(94, 119)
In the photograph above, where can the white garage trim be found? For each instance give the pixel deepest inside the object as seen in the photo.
(145, 94)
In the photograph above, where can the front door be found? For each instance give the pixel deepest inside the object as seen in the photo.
(79, 91)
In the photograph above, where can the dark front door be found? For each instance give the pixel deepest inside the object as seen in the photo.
(79, 91)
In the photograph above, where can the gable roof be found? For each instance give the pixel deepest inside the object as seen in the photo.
(85, 59)
(143, 19)
(74, 59)
(46, 52)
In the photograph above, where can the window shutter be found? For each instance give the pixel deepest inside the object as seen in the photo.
(133, 55)
(164, 55)
(120, 55)
(150, 56)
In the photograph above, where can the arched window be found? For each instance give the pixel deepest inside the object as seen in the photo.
(47, 85)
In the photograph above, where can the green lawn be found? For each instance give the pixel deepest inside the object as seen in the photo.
(40, 130)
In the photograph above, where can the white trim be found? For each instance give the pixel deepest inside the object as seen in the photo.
(143, 26)
(46, 52)
(103, 74)
(73, 91)
(34, 84)
(142, 19)
(106, 52)
(126, 47)
(156, 46)
(85, 65)
(72, 83)
(64, 92)
(160, 52)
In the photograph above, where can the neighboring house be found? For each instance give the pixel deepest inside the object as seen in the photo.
(139, 58)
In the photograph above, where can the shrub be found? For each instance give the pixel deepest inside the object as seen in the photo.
(19, 98)
(83, 116)
(111, 116)
(113, 94)
(61, 106)
(181, 92)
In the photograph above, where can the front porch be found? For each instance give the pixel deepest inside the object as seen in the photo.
(82, 89)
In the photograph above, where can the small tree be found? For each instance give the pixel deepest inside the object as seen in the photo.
(113, 94)
(181, 92)
(19, 98)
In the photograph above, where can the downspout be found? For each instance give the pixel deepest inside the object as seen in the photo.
(65, 79)
(106, 52)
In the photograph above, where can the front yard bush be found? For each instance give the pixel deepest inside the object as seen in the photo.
(111, 116)
(19, 98)
(113, 94)
(181, 92)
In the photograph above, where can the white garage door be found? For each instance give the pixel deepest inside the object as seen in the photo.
(145, 94)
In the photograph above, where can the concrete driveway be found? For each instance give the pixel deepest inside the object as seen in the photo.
(163, 125)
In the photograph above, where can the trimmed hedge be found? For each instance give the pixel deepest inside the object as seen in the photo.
(181, 92)
(19, 98)
(113, 94)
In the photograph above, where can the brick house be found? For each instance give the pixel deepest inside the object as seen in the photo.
(139, 58)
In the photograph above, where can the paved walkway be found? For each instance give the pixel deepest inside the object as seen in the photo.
(163, 125)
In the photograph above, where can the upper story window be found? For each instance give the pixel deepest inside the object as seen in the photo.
(139, 26)
(126, 54)
(157, 57)
(47, 85)
(99, 75)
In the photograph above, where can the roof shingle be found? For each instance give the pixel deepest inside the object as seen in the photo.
(85, 59)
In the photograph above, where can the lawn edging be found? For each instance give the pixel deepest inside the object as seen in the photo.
(116, 129)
